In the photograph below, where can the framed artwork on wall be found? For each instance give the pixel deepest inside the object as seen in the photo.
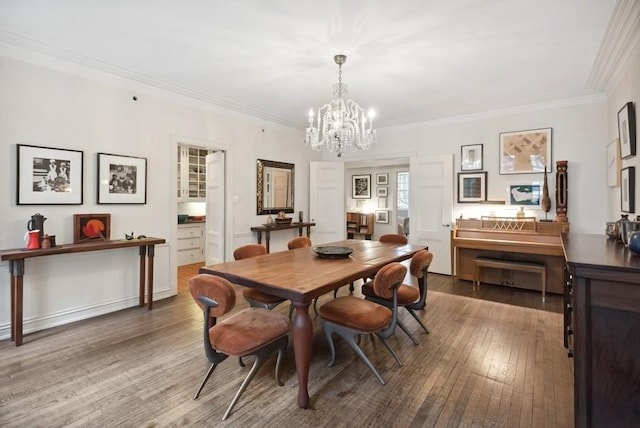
(381, 191)
(91, 227)
(524, 193)
(382, 202)
(628, 189)
(49, 176)
(121, 179)
(382, 179)
(472, 186)
(471, 157)
(361, 186)
(382, 216)
(525, 152)
(613, 163)
(627, 130)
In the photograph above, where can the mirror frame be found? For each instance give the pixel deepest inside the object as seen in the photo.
(261, 165)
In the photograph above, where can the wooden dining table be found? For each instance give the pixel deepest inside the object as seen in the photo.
(301, 275)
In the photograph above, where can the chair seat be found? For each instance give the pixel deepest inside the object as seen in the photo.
(259, 296)
(406, 293)
(247, 331)
(357, 314)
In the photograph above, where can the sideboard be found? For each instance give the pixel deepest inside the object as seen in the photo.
(272, 228)
(509, 240)
(604, 326)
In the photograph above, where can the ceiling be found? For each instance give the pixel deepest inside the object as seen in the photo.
(410, 60)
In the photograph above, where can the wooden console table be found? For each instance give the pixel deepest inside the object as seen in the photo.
(268, 229)
(16, 258)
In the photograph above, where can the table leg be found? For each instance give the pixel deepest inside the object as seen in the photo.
(267, 238)
(308, 231)
(16, 268)
(143, 252)
(259, 237)
(302, 340)
(150, 255)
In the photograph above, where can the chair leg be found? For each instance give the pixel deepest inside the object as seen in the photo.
(406, 331)
(327, 332)
(206, 378)
(242, 364)
(417, 318)
(386, 344)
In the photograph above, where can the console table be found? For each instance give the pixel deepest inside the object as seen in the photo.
(268, 229)
(16, 258)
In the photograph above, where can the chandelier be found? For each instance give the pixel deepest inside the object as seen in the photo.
(341, 125)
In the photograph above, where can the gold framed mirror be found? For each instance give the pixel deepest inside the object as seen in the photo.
(275, 187)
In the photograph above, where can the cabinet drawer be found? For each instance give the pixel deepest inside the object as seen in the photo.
(189, 243)
(190, 231)
(187, 257)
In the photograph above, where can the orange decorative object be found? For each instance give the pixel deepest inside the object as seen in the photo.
(88, 227)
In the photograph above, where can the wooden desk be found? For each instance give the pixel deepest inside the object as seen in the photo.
(268, 229)
(301, 276)
(16, 258)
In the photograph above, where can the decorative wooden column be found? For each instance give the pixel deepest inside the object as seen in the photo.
(561, 191)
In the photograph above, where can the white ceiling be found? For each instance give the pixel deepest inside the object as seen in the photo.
(410, 60)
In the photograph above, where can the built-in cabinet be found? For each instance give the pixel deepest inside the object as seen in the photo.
(192, 177)
(359, 225)
(190, 243)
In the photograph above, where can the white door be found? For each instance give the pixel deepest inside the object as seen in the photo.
(431, 207)
(326, 201)
(214, 226)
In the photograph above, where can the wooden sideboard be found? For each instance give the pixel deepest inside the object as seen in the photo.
(516, 240)
(604, 322)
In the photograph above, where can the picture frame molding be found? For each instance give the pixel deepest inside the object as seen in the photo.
(104, 193)
(362, 193)
(510, 167)
(382, 179)
(469, 162)
(627, 189)
(481, 184)
(27, 158)
(382, 216)
(627, 130)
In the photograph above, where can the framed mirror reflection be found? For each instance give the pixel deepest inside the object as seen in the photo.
(275, 187)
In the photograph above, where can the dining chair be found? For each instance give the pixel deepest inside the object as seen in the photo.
(409, 297)
(350, 317)
(299, 242)
(256, 298)
(390, 238)
(252, 331)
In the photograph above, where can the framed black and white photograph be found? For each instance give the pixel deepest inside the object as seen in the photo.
(524, 193)
(361, 186)
(382, 216)
(49, 176)
(381, 191)
(628, 189)
(471, 157)
(627, 131)
(382, 202)
(525, 152)
(121, 179)
(472, 186)
(382, 179)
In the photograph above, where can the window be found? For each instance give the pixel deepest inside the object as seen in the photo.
(403, 193)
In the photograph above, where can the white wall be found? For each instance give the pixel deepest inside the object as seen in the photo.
(627, 89)
(64, 106)
(578, 135)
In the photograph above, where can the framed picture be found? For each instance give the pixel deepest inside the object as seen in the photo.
(613, 163)
(382, 179)
(381, 191)
(361, 186)
(382, 202)
(121, 179)
(471, 157)
(628, 189)
(90, 227)
(524, 193)
(49, 176)
(472, 186)
(382, 216)
(627, 131)
(525, 152)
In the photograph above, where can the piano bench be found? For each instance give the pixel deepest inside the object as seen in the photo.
(481, 262)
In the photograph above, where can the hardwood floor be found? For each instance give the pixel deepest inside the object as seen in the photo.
(494, 358)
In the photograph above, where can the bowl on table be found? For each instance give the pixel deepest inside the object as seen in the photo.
(286, 220)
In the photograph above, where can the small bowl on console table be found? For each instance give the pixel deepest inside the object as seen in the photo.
(286, 220)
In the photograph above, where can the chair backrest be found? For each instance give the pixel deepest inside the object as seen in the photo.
(393, 238)
(387, 278)
(299, 242)
(250, 250)
(420, 263)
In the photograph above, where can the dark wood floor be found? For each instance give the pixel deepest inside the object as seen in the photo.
(494, 358)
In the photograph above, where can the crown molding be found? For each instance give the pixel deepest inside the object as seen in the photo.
(620, 41)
